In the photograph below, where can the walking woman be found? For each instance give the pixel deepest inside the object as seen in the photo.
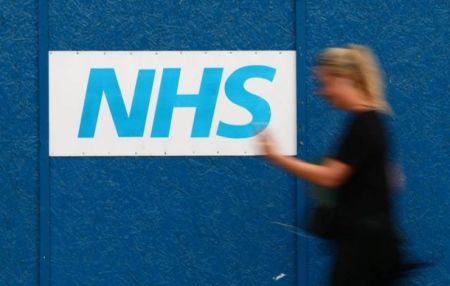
(367, 251)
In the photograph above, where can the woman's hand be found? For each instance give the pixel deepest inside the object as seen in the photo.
(266, 145)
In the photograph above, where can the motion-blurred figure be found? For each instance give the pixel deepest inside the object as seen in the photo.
(360, 222)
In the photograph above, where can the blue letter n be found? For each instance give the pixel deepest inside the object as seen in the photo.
(104, 82)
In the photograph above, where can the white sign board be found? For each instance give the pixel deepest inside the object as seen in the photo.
(142, 103)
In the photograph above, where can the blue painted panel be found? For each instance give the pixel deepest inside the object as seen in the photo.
(411, 39)
(177, 220)
(172, 25)
(44, 162)
(170, 221)
(19, 141)
(303, 200)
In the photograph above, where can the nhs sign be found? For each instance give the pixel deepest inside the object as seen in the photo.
(142, 103)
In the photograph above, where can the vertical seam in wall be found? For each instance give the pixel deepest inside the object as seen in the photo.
(44, 191)
(302, 242)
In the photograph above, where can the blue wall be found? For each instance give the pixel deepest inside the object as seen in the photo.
(208, 220)
(170, 221)
(19, 142)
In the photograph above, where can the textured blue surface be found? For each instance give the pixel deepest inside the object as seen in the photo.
(19, 175)
(179, 220)
(170, 221)
(44, 162)
(411, 39)
(172, 25)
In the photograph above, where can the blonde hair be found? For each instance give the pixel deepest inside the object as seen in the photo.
(360, 63)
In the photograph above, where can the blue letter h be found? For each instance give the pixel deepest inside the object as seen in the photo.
(204, 102)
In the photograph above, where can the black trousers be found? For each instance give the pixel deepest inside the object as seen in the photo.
(366, 256)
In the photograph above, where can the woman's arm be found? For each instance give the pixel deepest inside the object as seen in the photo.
(331, 174)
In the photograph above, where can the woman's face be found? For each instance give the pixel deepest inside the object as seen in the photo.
(337, 90)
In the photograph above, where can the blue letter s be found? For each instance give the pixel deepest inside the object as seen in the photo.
(258, 107)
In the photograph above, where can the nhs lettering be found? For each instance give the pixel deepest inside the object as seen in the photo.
(103, 82)
(170, 103)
